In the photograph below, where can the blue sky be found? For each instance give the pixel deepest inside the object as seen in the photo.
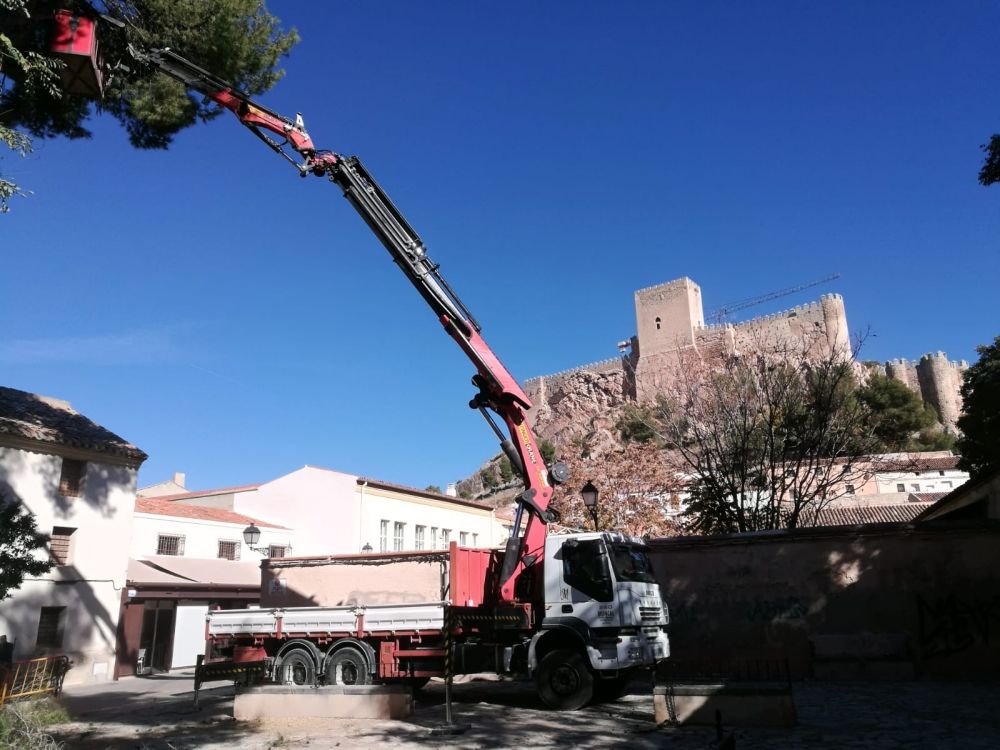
(237, 322)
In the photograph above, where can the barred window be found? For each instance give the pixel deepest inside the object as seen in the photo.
(51, 624)
(277, 550)
(60, 544)
(229, 550)
(170, 544)
(71, 477)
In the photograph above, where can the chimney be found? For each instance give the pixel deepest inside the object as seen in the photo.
(451, 491)
(179, 478)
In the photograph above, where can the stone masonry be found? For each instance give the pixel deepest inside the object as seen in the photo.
(670, 320)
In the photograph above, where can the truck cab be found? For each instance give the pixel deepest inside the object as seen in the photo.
(604, 617)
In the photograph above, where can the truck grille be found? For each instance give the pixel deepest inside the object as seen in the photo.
(650, 614)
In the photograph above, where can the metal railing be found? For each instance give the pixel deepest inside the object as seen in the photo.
(32, 677)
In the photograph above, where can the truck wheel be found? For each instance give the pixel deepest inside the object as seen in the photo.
(296, 668)
(347, 666)
(565, 681)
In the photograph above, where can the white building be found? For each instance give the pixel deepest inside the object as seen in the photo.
(78, 480)
(336, 513)
(185, 560)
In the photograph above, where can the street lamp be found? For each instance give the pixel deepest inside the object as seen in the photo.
(367, 548)
(589, 492)
(251, 535)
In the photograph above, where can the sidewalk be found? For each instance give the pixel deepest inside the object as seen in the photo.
(156, 714)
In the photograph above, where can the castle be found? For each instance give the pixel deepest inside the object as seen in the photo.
(670, 319)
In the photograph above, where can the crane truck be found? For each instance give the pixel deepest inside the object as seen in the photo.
(577, 612)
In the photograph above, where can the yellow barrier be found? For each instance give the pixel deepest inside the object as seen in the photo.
(23, 679)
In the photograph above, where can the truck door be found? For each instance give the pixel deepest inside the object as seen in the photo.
(586, 587)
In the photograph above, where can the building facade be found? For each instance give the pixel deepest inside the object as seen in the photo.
(78, 480)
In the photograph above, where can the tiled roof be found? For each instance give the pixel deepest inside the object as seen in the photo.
(49, 420)
(860, 514)
(423, 493)
(160, 507)
(181, 496)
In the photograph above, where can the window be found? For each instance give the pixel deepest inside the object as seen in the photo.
(71, 477)
(51, 624)
(383, 536)
(170, 544)
(585, 568)
(60, 544)
(940, 473)
(946, 485)
(850, 489)
(228, 550)
(277, 550)
(475, 540)
(445, 537)
(463, 538)
(657, 324)
(915, 488)
(434, 537)
(397, 535)
(418, 537)
(900, 487)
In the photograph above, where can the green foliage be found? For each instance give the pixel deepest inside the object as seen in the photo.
(979, 445)
(548, 451)
(19, 540)
(897, 413)
(933, 439)
(488, 478)
(22, 724)
(990, 172)
(637, 425)
(465, 494)
(506, 470)
(433, 488)
(237, 40)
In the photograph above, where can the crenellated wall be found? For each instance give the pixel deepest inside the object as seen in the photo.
(670, 320)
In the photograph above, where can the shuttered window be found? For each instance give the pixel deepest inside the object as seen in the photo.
(60, 544)
(71, 477)
(51, 624)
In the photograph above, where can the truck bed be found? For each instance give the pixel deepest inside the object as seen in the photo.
(424, 617)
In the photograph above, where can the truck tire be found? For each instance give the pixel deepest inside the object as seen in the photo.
(347, 666)
(296, 668)
(565, 681)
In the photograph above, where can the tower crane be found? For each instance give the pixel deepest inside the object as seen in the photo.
(720, 314)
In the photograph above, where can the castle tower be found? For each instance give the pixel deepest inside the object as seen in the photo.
(905, 372)
(667, 315)
(940, 385)
(838, 336)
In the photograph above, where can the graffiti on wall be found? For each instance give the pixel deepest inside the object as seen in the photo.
(952, 624)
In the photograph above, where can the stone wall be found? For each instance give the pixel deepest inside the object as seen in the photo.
(893, 601)
(937, 380)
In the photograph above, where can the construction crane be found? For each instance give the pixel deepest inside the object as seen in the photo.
(720, 314)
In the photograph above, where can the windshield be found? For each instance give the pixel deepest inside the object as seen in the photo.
(631, 564)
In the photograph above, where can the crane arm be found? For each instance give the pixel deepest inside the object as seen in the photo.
(498, 391)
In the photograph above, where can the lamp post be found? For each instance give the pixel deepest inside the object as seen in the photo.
(251, 535)
(589, 493)
(367, 548)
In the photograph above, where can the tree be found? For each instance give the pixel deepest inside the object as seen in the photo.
(506, 470)
(637, 424)
(432, 488)
(237, 40)
(489, 480)
(548, 450)
(19, 541)
(637, 487)
(766, 440)
(979, 445)
(990, 172)
(897, 413)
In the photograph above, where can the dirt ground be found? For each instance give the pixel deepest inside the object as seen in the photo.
(157, 714)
